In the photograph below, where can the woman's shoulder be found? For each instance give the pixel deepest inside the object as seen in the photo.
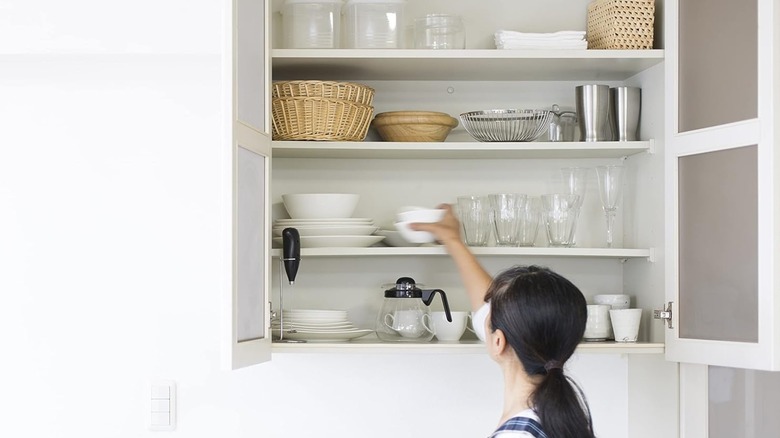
(524, 424)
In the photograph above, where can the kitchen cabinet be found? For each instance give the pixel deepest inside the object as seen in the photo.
(389, 175)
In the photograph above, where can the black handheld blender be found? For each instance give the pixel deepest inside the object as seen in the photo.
(291, 259)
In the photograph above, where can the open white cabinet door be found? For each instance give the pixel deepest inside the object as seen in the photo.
(722, 175)
(247, 337)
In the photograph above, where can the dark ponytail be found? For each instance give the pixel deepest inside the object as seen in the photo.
(543, 317)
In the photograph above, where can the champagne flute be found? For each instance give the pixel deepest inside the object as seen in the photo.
(610, 188)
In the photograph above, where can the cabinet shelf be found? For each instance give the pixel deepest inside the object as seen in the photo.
(460, 150)
(462, 65)
(381, 251)
(463, 347)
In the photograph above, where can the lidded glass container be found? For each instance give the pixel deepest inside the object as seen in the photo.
(439, 31)
(311, 24)
(374, 24)
(405, 316)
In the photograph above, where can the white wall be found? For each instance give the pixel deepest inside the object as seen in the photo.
(109, 256)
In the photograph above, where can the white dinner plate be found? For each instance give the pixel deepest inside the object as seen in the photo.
(315, 328)
(316, 311)
(344, 220)
(335, 241)
(331, 230)
(301, 335)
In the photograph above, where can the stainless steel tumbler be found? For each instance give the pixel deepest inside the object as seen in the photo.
(626, 103)
(592, 104)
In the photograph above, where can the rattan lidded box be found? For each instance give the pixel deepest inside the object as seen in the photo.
(621, 24)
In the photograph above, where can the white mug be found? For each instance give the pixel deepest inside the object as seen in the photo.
(598, 325)
(446, 330)
(409, 323)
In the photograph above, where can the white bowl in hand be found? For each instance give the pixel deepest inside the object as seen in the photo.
(420, 214)
(413, 236)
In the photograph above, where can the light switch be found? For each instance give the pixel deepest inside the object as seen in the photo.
(162, 405)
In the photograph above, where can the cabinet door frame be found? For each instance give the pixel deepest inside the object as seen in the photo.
(246, 77)
(765, 354)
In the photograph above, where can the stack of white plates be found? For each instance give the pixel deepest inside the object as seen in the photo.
(338, 232)
(317, 326)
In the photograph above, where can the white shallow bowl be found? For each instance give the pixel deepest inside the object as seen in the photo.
(394, 238)
(414, 236)
(320, 205)
(617, 301)
(420, 215)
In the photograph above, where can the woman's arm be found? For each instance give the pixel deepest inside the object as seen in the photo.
(473, 275)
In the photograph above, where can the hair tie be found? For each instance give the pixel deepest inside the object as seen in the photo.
(552, 365)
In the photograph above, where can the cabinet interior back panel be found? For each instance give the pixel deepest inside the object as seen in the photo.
(718, 63)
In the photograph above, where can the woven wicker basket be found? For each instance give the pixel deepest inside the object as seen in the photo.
(348, 91)
(621, 24)
(314, 118)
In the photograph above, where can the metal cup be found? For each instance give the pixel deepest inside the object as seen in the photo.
(626, 104)
(592, 104)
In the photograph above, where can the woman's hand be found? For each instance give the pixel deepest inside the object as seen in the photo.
(446, 231)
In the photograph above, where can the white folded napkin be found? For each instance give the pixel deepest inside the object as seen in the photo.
(565, 39)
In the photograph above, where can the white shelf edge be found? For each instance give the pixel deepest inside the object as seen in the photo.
(465, 347)
(466, 54)
(467, 65)
(381, 251)
(468, 150)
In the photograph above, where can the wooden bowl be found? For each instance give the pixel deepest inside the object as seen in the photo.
(421, 126)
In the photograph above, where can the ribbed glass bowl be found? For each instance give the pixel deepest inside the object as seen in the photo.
(506, 124)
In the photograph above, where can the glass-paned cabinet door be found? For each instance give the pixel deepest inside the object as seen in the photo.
(718, 65)
(720, 177)
(248, 337)
(251, 63)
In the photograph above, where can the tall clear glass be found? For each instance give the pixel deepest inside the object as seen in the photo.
(474, 214)
(559, 214)
(610, 180)
(506, 209)
(575, 182)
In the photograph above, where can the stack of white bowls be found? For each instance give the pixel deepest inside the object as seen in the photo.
(325, 220)
(314, 325)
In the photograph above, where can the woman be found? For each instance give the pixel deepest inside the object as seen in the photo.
(532, 320)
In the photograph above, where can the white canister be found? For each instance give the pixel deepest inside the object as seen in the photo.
(311, 24)
(374, 24)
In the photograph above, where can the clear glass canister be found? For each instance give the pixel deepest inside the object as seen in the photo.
(439, 31)
(312, 24)
(563, 125)
(374, 24)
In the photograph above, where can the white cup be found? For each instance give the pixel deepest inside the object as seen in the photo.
(598, 324)
(625, 323)
(409, 323)
(446, 330)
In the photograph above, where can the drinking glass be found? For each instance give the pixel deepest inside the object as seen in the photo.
(474, 213)
(610, 180)
(506, 209)
(575, 182)
(560, 214)
(529, 222)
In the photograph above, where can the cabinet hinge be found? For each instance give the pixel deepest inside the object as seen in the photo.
(664, 314)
